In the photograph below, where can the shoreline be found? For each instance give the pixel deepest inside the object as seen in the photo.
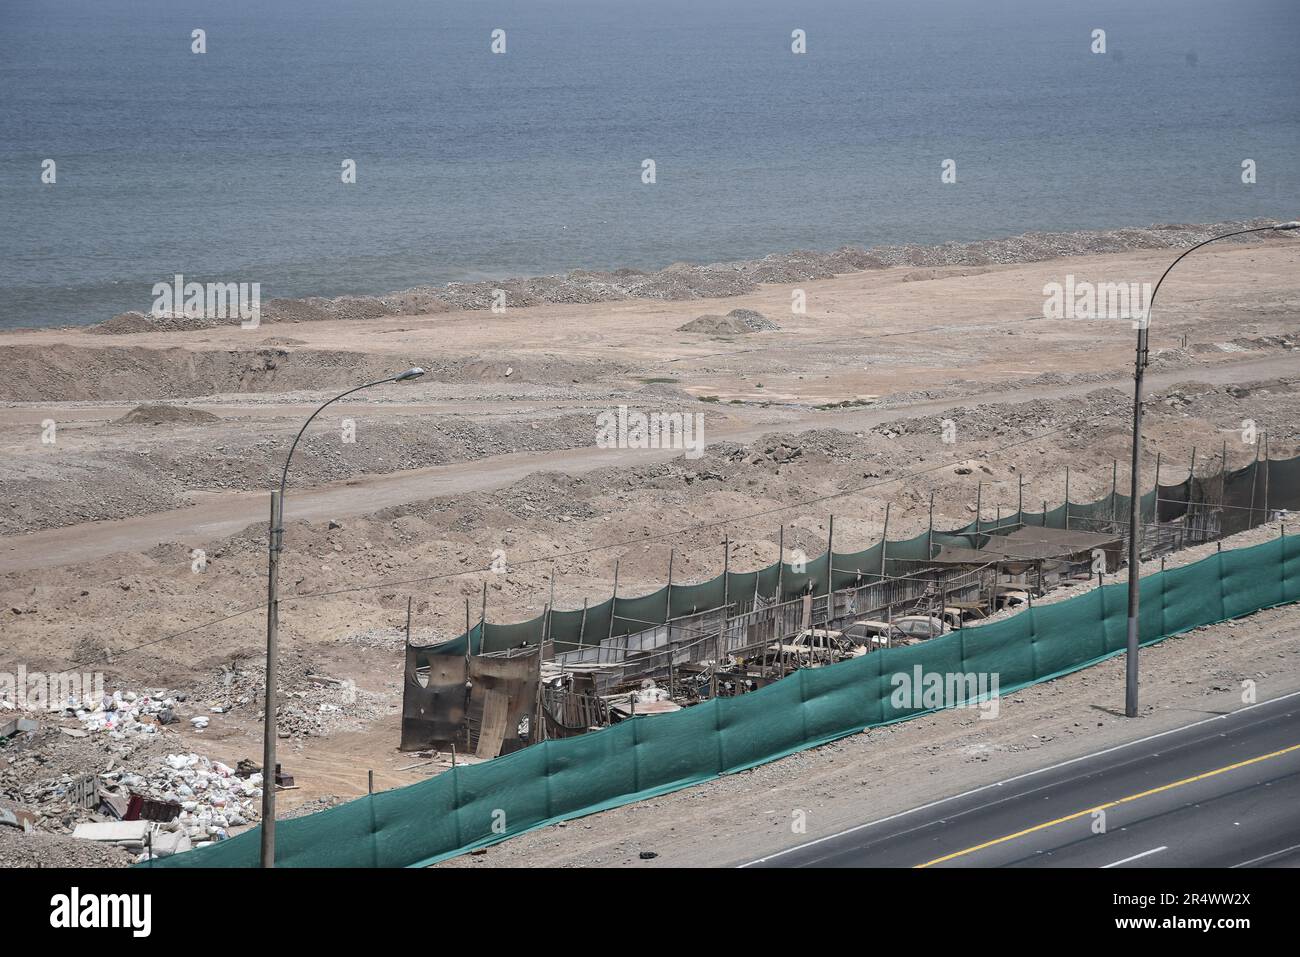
(688, 281)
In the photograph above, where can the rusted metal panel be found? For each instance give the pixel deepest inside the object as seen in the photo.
(515, 679)
(433, 710)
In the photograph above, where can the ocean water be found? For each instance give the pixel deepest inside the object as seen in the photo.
(226, 165)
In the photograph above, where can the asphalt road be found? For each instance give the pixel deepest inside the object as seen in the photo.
(1220, 792)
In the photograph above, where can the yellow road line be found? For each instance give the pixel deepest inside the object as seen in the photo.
(1102, 807)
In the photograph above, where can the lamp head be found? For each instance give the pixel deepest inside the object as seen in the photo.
(414, 373)
(1294, 224)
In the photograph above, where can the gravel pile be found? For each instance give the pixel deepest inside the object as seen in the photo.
(38, 849)
(163, 414)
(736, 322)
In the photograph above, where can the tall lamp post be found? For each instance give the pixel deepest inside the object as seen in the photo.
(1135, 505)
(274, 543)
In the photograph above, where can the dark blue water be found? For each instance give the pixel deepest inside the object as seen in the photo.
(226, 165)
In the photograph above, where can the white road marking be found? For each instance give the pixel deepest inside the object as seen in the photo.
(1264, 857)
(1154, 850)
(1018, 777)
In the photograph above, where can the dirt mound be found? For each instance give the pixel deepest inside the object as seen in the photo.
(736, 322)
(163, 414)
(74, 373)
(131, 323)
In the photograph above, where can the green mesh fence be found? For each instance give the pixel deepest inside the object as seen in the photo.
(633, 614)
(565, 778)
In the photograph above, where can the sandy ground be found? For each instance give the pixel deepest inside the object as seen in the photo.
(101, 526)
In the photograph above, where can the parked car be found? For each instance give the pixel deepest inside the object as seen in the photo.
(813, 646)
(905, 630)
(869, 634)
(1006, 597)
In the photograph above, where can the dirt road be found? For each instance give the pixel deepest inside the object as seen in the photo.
(214, 516)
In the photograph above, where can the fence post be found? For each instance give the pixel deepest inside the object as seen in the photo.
(780, 576)
(1223, 483)
(726, 611)
(830, 572)
(929, 536)
(1266, 470)
(668, 611)
(1067, 498)
(1114, 488)
(884, 542)
(1155, 503)
(613, 603)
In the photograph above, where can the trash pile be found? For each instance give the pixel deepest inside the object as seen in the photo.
(212, 797)
(125, 713)
(309, 704)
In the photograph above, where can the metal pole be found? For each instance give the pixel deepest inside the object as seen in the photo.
(780, 562)
(1254, 481)
(726, 610)
(830, 583)
(668, 597)
(1067, 498)
(272, 659)
(613, 602)
(1134, 533)
(1155, 504)
(884, 542)
(540, 736)
(1114, 489)
(274, 546)
(1266, 470)
(780, 582)
(979, 497)
(1020, 502)
(1223, 480)
(929, 536)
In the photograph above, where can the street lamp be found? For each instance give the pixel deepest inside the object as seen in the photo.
(1135, 505)
(274, 543)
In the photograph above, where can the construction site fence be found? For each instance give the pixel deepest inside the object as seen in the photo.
(1235, 500)
(712, 635)
(473, 806)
